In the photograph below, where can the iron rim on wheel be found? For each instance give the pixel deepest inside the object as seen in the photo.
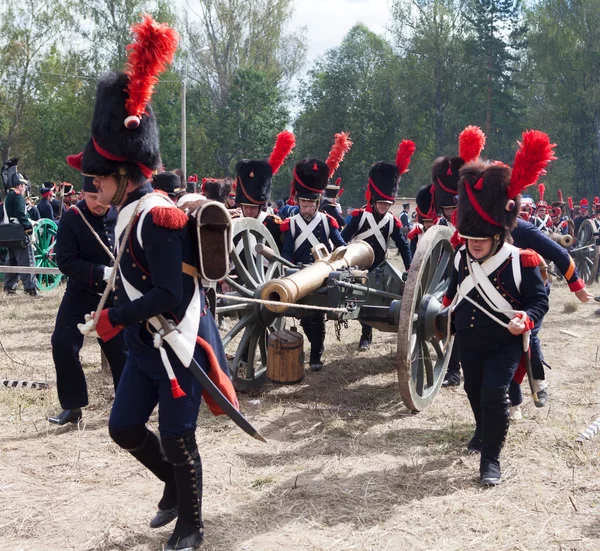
(420, 360)
(586, 252)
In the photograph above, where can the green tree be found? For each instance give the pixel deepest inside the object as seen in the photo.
(353, 88)
(564, 72)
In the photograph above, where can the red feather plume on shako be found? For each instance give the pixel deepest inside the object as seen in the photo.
(583, 203)
(341, 146)
(404, 154)
(471, 142)
(560, 196)
(153, 48)
(488, 198)
(284, 144)
(534, 154)
(570, 201)
(541, 191)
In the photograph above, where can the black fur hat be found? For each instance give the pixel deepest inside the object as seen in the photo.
(113, 145)
(310, 179)
(385, 177)
(253, 182)
(425, 205)
(484, 207)
(444, 175)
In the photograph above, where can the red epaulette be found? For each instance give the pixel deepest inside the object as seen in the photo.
(456, 240)
(285, 225)
(169, 217)
(414, 232)
(529, 258)
(357, 212)
(332, 221)
(397, 221)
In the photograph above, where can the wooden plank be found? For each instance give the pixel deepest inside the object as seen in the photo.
(28, 270)
(570, 333)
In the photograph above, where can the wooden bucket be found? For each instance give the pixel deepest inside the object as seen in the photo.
(285, 357)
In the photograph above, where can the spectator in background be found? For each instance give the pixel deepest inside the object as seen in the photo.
(45, 206)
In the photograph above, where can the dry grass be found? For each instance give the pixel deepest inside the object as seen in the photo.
(346, 466)
(571, 307)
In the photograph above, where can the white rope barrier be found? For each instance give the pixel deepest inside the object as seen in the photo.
(278, 303)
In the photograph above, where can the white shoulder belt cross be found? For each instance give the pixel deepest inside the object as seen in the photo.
(306, 230)
(375, 228)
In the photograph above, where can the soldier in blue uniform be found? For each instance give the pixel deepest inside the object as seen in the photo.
(542, 218)
(306, 230)
(253, 186)
(526, 236)
(14, 211)
(426, 216)
(82, 258)
(330, 204)
(375, 224)
(495, 291)
(169, 183)
(583, 214)
(44, 206)
(157, 275)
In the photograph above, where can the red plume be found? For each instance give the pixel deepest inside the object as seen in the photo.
(596, 200)
(283, 147)
(152, 49)
(541, 191)
(534, 154)
(570, 200)
(583, 203)
(341, 146)
(470, 143)
(75, 161)
(405, 152)
(560, 196)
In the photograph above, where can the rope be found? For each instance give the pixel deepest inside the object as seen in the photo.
(110, 284)
(277, 303)
(106, 249)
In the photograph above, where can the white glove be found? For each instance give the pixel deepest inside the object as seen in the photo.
(107, 273)
(87, 329)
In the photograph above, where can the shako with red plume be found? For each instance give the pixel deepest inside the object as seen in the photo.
(341, 146)
(583, 204)
(489, 193)
(384, 177)
(254, 177)
(541, 192)
(311, 175)
(445, 170)
(596, 205)
(570, 203)
(124, 131)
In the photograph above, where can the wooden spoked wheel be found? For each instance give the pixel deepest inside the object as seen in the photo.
(421, 359)
(586, 252)
(44, 243)
(246, 343)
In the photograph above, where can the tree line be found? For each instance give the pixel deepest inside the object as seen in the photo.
(444, 64)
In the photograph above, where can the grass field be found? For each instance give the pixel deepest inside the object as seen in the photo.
(347, 467)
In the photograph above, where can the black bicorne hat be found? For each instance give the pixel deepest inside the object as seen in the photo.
(168, 182)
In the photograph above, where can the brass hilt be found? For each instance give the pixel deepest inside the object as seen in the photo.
(294, 287)
(563, 240)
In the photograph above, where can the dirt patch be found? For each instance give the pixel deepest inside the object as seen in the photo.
(346, 466)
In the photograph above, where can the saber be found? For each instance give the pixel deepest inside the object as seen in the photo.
(526, 338)
(168, 330)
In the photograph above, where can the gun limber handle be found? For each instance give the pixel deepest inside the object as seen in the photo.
(294, 287)
(271, 255)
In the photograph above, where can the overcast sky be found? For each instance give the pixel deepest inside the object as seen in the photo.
(328, 21)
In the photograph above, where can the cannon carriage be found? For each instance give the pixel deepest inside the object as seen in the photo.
(586, 252)
(389, 300)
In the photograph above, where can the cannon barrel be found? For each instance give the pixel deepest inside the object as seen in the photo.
(565, 240)
(296, 286)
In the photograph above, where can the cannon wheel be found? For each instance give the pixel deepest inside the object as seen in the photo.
(249, 360)
(585, 253)
(420, 360)
(44, 242)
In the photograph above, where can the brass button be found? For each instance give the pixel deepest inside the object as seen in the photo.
(96, 284)
(472, 317)
(133, 265)
(144, 277)
(126, 250)
(472, 325)
(503, 294)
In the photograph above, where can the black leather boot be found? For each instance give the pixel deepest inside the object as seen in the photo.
(145, 446)
(66, 416)
(494, 427)
(314, 328)
(366, 338)
(187, 468)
